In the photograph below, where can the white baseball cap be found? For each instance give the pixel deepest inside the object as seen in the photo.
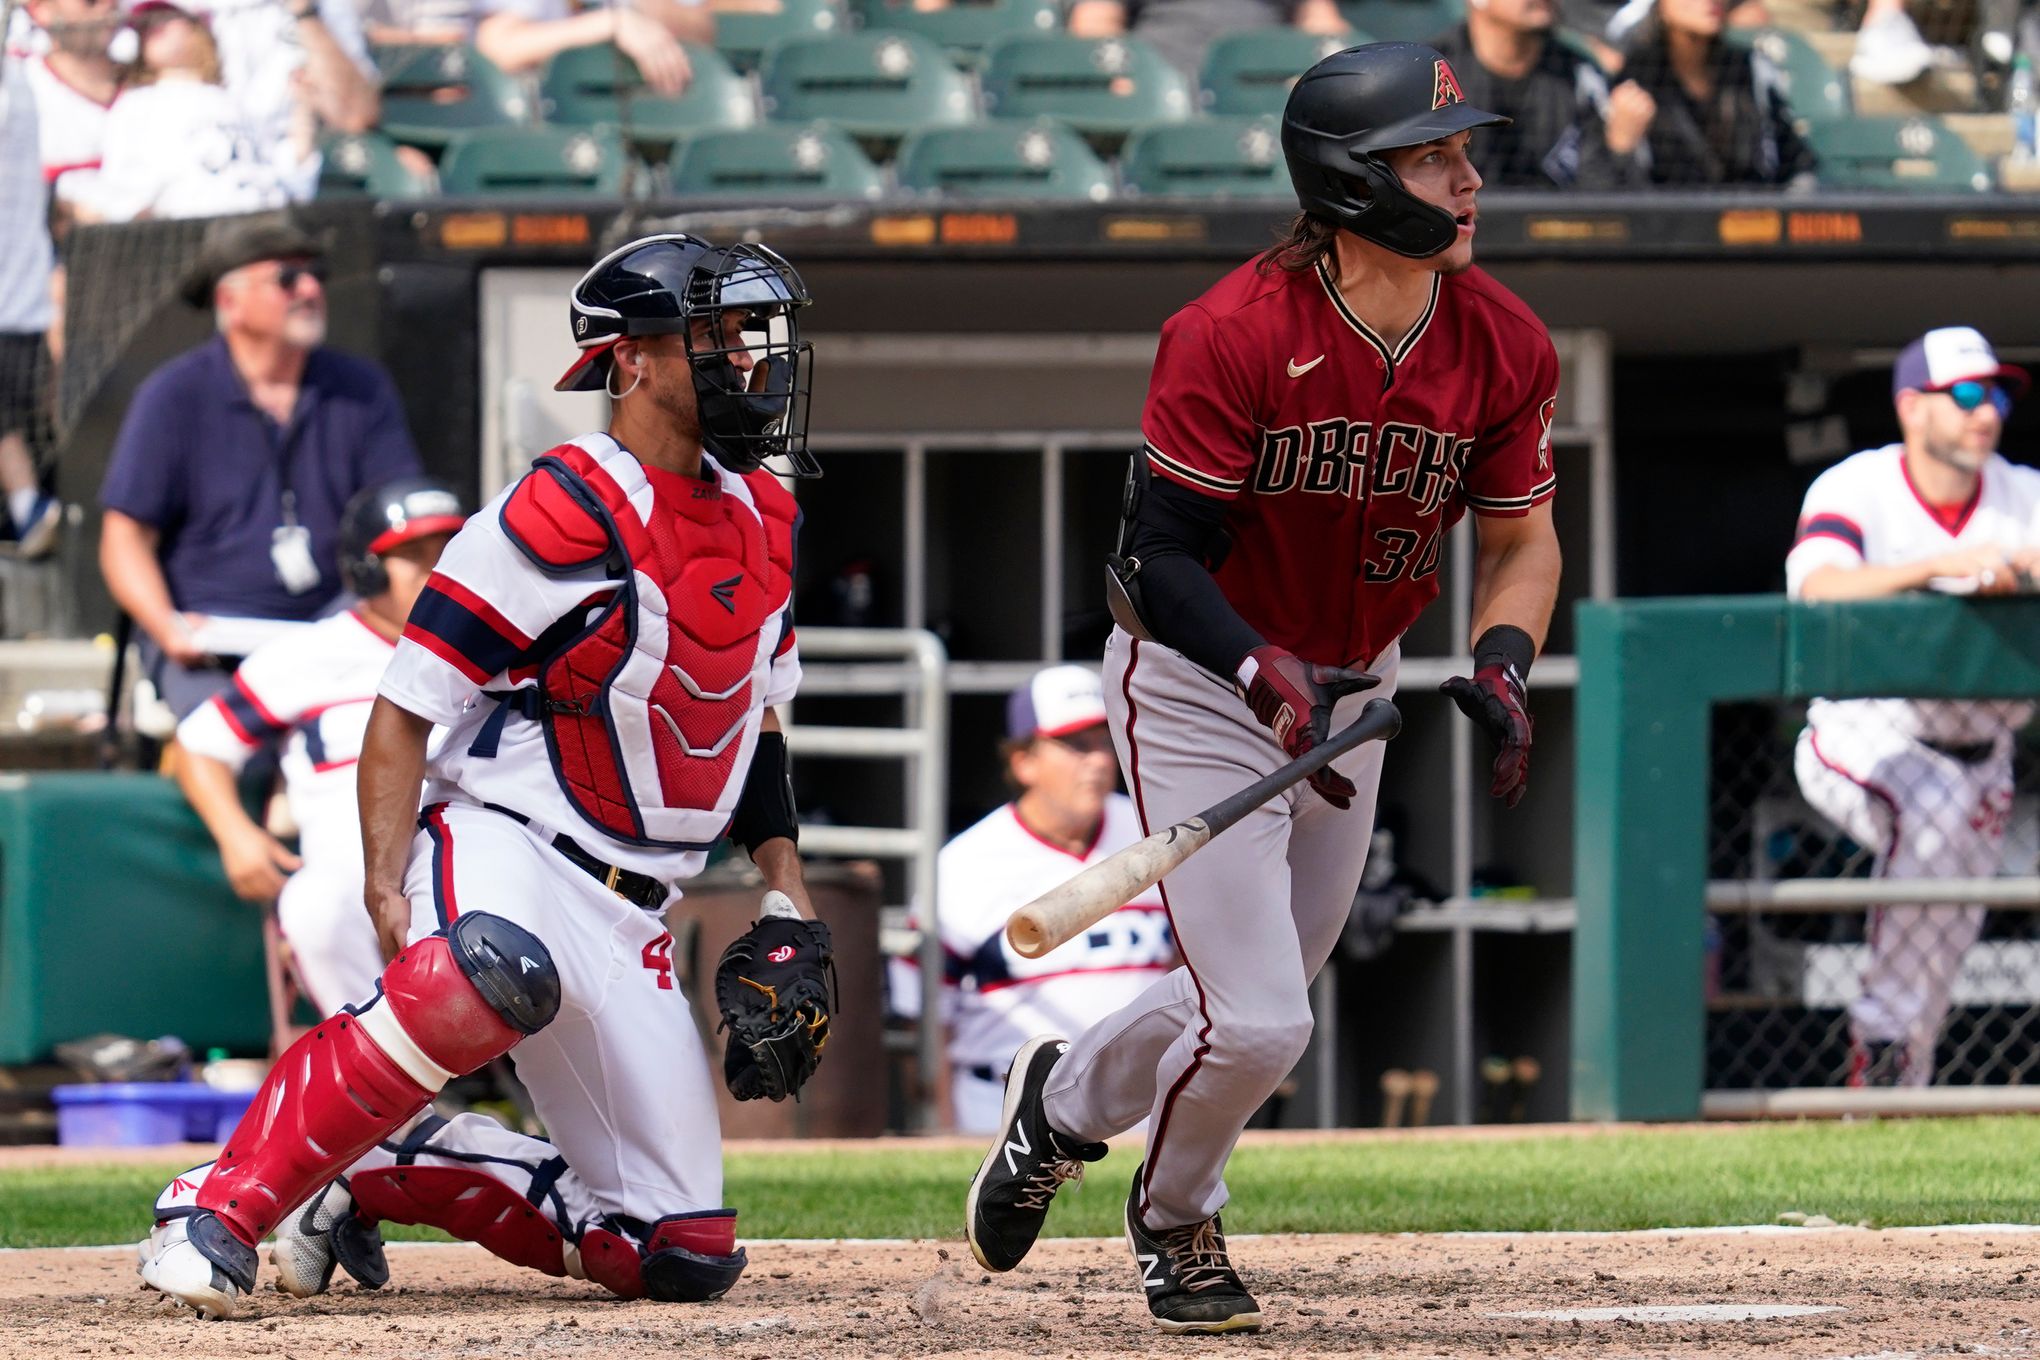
(1054, 703)
(1952, 354)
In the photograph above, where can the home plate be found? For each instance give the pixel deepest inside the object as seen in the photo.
(1684, 1312)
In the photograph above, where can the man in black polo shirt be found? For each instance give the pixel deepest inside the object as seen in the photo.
(224, 494)
(1569, 131)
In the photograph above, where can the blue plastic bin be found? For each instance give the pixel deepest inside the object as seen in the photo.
(146, 1113)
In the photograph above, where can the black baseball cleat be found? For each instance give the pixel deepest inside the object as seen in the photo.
(1190, 1283)
(1009, 1196)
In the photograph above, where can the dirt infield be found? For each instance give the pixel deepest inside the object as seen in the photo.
(1884, 1294)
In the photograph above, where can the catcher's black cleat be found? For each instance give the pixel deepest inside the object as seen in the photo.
(1009, 1195)
(1189, 1280)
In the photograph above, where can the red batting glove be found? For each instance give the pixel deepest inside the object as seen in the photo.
(1496, 699)
(1293, 699)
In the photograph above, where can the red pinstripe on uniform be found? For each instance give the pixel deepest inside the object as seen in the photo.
(443, 899)
(1154, 1149)
(1884, 796)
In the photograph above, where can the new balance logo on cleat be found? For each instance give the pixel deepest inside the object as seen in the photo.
(1187, 1275)
(1010, 1195)
(1149, 1263)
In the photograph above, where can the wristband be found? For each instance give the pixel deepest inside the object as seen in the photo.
(1505, 645)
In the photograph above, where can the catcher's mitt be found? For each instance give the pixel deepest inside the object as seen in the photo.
(773, 987)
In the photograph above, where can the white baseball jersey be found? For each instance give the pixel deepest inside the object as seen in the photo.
(483, 609)
(182, 148)
(313, 689)
(73, 126)
(1865, 510)
(261, 58)
(994, 999)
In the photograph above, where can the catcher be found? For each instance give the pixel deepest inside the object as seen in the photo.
(605, 644)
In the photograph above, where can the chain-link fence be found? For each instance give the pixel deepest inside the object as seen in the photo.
(1874, 919)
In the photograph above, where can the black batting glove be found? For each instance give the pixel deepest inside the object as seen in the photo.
(1499, 702)
(1293, 699)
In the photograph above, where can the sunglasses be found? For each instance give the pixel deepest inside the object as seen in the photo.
(1973, 393)
(287, 275)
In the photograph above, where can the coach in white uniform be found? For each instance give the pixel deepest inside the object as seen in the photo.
(1925, 784)
(1068, 815)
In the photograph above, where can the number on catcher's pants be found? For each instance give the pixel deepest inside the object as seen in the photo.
(658, 957)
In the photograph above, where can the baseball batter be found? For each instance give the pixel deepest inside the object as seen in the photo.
(1068, 814)
(605, 642)
(1925, 784)
(1314, 425)
(312, 691)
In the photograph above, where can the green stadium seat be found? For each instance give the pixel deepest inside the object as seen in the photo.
(537, 161)
(433, 92)
(877, 87)
(1403, 20)
(773, 162)
(1251, 72)
(1816, 91)
(1912, 152)
(963, 28)
(747, 37)
(1105, 88)
(1005, 158)
(587, 86)
(365, 164)
(1210, 158)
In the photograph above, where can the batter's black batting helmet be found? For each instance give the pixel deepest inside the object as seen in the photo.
(382, 517)
(1365, 100)
(661, 285)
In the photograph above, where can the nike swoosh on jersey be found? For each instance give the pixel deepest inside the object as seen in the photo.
(1297, 370)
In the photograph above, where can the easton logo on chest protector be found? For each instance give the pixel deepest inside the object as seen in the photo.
(650, 699)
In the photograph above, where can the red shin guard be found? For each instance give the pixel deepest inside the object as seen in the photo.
(472, 1205)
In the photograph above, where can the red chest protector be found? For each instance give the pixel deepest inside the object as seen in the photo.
(652, 695)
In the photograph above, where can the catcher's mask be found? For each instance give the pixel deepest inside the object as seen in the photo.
(1357, 103)
(662, 285)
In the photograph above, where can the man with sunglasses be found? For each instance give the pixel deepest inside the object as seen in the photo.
(1925, 785)
(1068, 814)
(224, 493)
(604, 646)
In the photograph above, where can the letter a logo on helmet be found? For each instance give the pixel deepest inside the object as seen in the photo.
(1444, 85)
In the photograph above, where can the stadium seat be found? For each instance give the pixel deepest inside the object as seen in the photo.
(432, 92)
(1210, 158)
(745, 37)
(366, 164)
(1105, 88)
(877, 87)
(1004, 158)
(963, 28)
(1815, 90)
(1403, 20)
(1914, 153)
(586, 86)
(772, 162)
(534, 161)
(1251, 72)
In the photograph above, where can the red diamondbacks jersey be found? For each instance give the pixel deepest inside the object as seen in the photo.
(1347, 459)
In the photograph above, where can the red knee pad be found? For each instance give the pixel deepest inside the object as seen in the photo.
(328, 1099)
(440, 1009)
(473, 1206)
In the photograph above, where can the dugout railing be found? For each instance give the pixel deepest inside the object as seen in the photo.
(1724, 922)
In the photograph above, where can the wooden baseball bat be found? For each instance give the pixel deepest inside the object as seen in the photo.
(1066, 911)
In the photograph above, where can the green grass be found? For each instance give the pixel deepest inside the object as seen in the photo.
(1889, 1173)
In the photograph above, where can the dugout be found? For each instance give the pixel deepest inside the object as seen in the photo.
(978, 388)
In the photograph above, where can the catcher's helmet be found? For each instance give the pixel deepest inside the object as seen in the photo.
(1365, 100)
(660, 285)
(384, 516)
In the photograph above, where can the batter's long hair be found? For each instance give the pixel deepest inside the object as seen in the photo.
(1308, 241)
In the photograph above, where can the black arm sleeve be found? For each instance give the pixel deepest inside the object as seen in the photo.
(1173, 534)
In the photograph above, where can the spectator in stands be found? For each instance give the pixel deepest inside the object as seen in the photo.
(25, 264)
(1925, 785)
(387, 23)
(282, 59)
(1570, 131)
(1889, 47)
(226, 484)
(1066, 814)
(522, 35)
(1720, 115)
(1183, 30)
(74, 83)
(178, 144)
